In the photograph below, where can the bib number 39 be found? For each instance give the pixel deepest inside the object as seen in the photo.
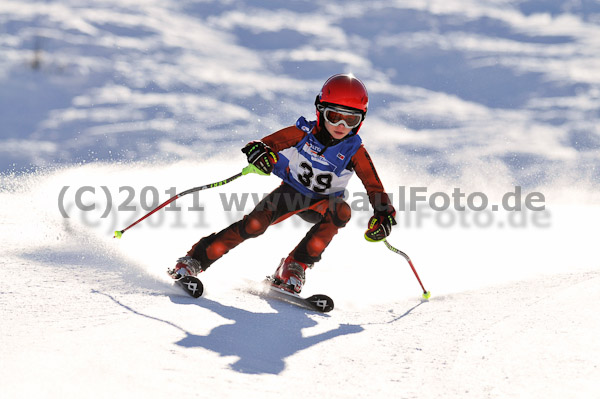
(319, 183)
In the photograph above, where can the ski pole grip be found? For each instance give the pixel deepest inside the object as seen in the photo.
(253, 169)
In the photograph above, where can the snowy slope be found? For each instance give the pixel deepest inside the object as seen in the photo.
(144, 99)
(93, 316)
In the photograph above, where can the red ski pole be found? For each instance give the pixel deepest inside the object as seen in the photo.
(426, 294)
(248, 169)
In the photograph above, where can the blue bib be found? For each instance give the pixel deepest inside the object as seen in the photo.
(314, 174)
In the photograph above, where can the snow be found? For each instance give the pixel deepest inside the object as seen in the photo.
(120, 105)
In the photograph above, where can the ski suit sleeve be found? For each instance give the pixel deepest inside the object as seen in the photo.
(284, 138)
(365, 170)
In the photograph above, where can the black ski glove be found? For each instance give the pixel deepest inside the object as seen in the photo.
(380, 225)
(261, 155)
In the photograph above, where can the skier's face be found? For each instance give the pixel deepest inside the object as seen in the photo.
(337, 132)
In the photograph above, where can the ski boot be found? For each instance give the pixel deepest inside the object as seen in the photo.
(290, 275)
(186, 266)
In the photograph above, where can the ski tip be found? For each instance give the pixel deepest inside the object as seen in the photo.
(426, 295)
(192, 285)
(321, 303)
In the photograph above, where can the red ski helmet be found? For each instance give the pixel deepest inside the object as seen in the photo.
(345, 91)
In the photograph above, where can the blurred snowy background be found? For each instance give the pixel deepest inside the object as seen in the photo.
(508, 86)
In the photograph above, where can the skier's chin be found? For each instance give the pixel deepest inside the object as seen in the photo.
(338, 135)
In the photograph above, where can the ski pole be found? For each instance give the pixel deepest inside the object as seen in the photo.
(426, 294)
(248, 169)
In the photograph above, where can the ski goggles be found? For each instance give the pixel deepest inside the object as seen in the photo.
(337, 117)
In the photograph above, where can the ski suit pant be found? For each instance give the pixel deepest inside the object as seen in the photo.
(329, 214)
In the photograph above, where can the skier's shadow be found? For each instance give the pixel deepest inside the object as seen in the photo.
(261, 341)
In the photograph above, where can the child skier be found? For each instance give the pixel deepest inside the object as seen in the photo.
(315, 160)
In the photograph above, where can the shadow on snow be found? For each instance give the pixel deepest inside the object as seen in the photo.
(261, 341)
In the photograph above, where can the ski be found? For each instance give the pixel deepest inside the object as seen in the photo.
(192, 285)
(318, 302)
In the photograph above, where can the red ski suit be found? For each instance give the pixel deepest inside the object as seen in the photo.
(329, 214)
